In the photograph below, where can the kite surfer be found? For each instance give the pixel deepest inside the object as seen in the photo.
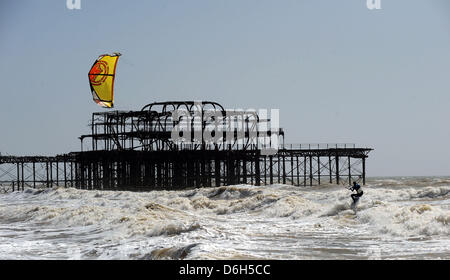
(355, 196)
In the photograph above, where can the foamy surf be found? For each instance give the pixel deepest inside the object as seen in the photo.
(396, 220)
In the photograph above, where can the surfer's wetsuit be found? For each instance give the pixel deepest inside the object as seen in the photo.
(358, 190)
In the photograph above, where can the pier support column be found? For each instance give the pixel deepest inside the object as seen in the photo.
(271, 169)
(34, 175)
(278, 173)
(292, 170)
(244, 170)
(310, 171)
(337, 170)
(304, 171)
(71, 174)
(23, 179)
(18, 176)
(46, 170)
(349, 172)
(89, 169)
(77, 175)
(51, 173)
(257, 169)
(318, 170)
(65, 173)
(364, 170)
(217, 172)
(265, 170)
(330, 169)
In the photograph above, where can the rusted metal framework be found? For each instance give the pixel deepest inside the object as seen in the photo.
(16, 173)
(163, 146)
(153, 127)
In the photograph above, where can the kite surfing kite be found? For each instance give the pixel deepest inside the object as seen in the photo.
(101, 79)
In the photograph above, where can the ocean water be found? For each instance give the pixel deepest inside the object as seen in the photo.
(397, 218)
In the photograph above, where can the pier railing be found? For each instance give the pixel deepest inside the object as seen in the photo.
(311, 146)
(252, 146)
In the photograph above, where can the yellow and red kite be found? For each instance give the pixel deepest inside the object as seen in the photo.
(101, 79)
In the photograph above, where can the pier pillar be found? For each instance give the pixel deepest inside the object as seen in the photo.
(292, 169)
(244, 170)
(23, 179)
(318, 170)
(310, 171)
(304, 171)
(265, 170)
(330, 169)
(364, 170)
(57, 174)
(46, 170)
(257, 169)
(337, 170)
(271, 169)
(65, 173)
(349, 172)
(34, 175)
(217, 171)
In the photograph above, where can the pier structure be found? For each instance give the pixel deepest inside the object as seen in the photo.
(18, 172)
(185, 144)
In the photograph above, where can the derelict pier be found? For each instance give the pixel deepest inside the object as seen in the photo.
(185, 144)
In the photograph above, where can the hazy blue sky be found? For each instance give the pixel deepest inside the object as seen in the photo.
(337, 71)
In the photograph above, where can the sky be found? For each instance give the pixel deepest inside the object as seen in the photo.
(337, 71)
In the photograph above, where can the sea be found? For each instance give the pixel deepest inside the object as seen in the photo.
(396, 218)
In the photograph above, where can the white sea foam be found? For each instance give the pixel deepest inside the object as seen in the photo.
(229, 222)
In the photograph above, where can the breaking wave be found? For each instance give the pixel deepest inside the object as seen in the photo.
(182, 224)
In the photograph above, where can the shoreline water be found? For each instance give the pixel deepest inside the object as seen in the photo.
(396, 219)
